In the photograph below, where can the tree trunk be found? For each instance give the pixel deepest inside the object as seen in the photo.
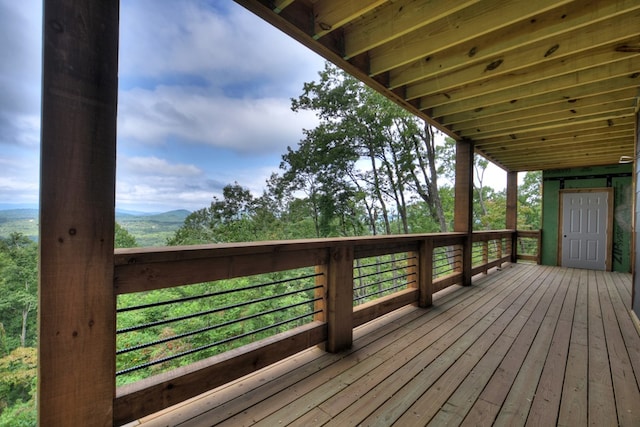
(25, 316)
(378, 191)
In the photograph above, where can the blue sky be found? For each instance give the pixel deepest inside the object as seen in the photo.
(204, 101)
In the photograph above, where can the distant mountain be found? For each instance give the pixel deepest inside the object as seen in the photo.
(21, 213)
(149, 229)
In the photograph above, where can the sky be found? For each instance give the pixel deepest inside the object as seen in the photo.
(204, 100)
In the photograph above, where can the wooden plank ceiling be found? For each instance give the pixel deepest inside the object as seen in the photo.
(534, 84)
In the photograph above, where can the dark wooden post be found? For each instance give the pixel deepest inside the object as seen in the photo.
(76, 366)
(340, 299)
(512, 211)
(424, 273)
(463, 216)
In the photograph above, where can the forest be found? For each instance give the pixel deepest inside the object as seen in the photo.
(367, 168)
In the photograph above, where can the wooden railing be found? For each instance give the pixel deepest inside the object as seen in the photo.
(430, 262)
(529, 243)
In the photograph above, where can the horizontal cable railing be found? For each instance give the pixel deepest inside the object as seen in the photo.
(447, 260)
(207, 319)
(227, 310)
(382, 275)
(528, 245)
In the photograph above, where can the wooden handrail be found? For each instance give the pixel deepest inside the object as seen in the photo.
(145, 269)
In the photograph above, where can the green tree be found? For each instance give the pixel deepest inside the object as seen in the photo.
(530, 201)
(124, 239)
(17, 387)
(19, 287)
(366, 158)
(237, 217)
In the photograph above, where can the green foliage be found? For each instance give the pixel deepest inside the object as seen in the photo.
(23, 221)
(530, 202)
(19, 287)
(361, 165)
(124, 239)
(22, 414)
(17, 387)
(206, 319)
(152, 230)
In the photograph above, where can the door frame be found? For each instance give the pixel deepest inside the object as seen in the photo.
(610, 211)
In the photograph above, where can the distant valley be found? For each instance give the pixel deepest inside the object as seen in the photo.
(148, 229)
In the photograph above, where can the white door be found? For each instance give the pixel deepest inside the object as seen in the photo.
(584, 230)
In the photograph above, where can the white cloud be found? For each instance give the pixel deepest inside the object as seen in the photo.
(19, 180)
(265, 125)
(217, 41)
(194, 74)
(153, 183)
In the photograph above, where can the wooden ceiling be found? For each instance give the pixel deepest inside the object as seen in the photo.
(534, 84)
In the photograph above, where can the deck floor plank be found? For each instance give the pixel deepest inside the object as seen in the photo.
(528, 345)
(398, 358)
(393, 393)
(516, 406)
(602, 410)
(616, 284)
(573, 403)
(495, 392)
(468, 368)
(546, 402)
(627, 395)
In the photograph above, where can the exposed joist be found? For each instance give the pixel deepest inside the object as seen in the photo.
(515, 152)
(618, 107)
(468, 24)
(520, 86)
(546, 136)
(395, 20)
(560, 142)
(500, 73)
(541, 28)
(548, 55)
(330, 15)
(490, 132)
(551, 101)
(279, 5)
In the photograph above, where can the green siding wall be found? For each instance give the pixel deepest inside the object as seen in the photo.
(616, 176)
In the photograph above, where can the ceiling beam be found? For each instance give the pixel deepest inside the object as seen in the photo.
(395, 20)
(540, 29)
(330, 15)
(513, 88)
(546, 55)
(464, 25)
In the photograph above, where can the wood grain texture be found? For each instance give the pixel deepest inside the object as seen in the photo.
(76, 348)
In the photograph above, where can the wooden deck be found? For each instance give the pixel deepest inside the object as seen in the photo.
(527, 345)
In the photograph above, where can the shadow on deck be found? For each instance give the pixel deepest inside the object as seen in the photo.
(526, 345)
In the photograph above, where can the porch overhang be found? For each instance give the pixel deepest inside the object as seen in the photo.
(534, 85)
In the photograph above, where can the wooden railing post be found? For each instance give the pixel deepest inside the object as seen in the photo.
(485, 254)
(340, 299)
(512, 212)
(425, 273)
(320, 305)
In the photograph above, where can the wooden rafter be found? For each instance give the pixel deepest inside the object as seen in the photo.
(522, 74)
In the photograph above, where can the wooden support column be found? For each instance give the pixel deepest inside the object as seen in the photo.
(340, 299)
(463, 216)
(76, 366)
(424, 273)
(512, 211)
(635, 251)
